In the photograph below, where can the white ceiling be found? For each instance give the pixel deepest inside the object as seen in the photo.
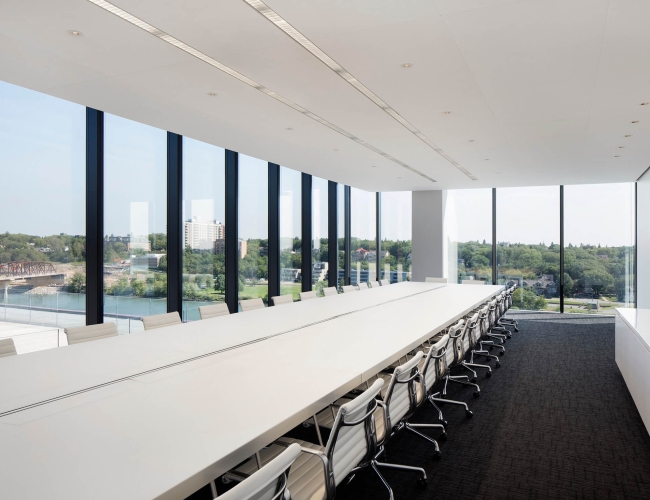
(546, 89)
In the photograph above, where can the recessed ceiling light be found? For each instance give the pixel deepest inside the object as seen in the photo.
(167, 38)
(628, 135)
(621, 147)
(336, 150)
(645, 103)
(497, 173)
(407, 65)
(487, 159)
(471, 140)
(446, 112)
(212, 94)
(617, 156)
(289, 128)
(399, 177)
(373, 166)
(635, 121)
(75, 33)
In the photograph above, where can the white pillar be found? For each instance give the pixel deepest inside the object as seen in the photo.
(428, 250)
(643, 242)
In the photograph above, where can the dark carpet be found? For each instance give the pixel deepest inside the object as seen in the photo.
(556, 421)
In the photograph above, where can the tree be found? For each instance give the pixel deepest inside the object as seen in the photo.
(598, 280)
(220, 283)
(527, 299)
(77, 283)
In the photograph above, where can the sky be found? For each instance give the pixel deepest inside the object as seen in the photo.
(42, 172)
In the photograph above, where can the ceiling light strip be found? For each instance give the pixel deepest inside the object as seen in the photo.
(109, 7)
(281, 23)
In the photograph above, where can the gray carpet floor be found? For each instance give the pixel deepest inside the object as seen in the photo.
(556, 421)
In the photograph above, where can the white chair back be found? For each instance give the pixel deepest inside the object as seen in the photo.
(250, 304)
(349, 288)
(268, 483)
(7, 348)
(384, 282)
(400, 397)
(430, 367)
(307, 295)
(352, 439)
(214, 311)
(92, 332)
(435, 280)
(472, 282)
(278, 300)
(161, 320)
(454, 333)
(330, 291)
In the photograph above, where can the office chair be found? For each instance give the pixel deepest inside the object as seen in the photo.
(352, 445)
(349, 288)
(214, 311)
(7, 348)
(468, 343)
(384, 282)
(435, 280)
(278, 300)
(499, 311)
(485, 319)
(250, 304)
(477, 347)
(507, 304)
(472, 282)
(92, 332)
(270, 482)
(403, 395)
(332, 290)
(161, 320)
(307, 295)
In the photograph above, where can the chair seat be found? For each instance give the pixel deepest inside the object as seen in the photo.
(306, 477)
(327, 416)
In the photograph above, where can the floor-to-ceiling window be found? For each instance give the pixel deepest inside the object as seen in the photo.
(468, 235)
(290, 233)
(363, 242)
(599, 247)
(204, 232)
(253, 241)
(340, 230)
(396, 208)
(135, 222)
(319, 246)
(42, 217)
(528, 245)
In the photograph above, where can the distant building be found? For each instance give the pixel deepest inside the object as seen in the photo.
(319, 271)
(220, 247)
(289, 274)
(131, 242)
(201, 235)
(145, 262)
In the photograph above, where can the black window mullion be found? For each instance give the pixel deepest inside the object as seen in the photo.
(348, 229)
(274, 231)
(94, 216)
(495, 267)
(332, 233)
(306, 230)
(232, 231)
(378, 236)
(561, 249)
(174, 222)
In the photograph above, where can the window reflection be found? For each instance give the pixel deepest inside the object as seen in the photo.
(396, 225)
(319, 247)
(363, 242)
(290, 233)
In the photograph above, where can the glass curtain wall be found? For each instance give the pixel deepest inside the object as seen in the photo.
(204, 233)
(253, 229)
(340, 231)
(528, 245)
(135, 222)
(319, 246)
(468, 235)
(42, 228)
(599, 248)
(363, 242)
(290, 233)
(396, 209)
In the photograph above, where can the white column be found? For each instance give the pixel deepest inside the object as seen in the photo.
(428, 250)
(643, 242)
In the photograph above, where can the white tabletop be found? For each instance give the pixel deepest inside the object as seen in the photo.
(639, 322)
(169, 432)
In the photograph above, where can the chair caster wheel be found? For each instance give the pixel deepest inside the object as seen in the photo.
(437, 455)
(422, 482)
(468, 414)
(473, 380)
(444, 424)
(488, 374)
(476, 394)
(498, 365)
(516, 329)
(443, 437)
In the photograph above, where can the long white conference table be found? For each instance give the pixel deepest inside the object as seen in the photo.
(159, 414)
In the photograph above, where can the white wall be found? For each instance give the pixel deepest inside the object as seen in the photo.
(643, 242)
(428, 234)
